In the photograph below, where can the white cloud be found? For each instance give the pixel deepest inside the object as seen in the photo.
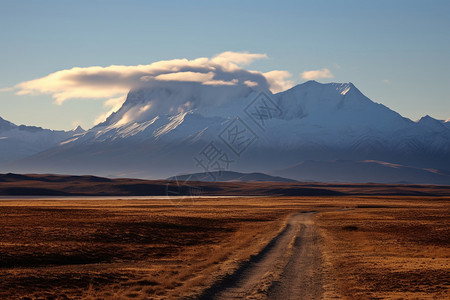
(116, 80)
(240, 58)
(250, 83)
(317, 74)
(186, 76)
(278, 80)
(8, 89)
(113, 82)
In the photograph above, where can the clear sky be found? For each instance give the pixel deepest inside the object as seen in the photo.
(396, 52)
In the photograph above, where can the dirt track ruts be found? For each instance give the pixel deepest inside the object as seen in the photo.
(290, 267)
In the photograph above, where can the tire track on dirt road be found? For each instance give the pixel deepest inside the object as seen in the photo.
(289, 267)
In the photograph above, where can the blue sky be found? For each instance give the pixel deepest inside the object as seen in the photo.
(396, 52)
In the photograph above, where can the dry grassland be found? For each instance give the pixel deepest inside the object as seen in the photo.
(383, 247)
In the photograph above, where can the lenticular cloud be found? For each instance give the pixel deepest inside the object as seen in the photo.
(97, 82)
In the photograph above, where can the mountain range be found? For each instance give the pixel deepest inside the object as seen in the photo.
(313, 131)
(88, 185)
(17, 142)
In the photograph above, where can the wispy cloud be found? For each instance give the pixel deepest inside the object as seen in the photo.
(317, 74)
(116, 80)
(240, 58)
(8, 89)
(113, 82)
(186, 76)
(279, 80)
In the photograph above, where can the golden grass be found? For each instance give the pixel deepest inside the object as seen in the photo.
(128, 248)
(387, 247)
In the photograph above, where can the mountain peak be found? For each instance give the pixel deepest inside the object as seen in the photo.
(79, 129)
(431, 122)
(427, 119)
(340, 87)
(311, 82)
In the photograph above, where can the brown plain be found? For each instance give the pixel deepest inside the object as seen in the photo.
(371, 247)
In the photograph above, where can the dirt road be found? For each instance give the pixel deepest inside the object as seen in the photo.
(288, 268)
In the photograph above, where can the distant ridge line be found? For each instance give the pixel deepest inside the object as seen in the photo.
(68, 185)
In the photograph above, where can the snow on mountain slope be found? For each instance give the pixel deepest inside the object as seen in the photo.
(311, 113)
(161, 128)
(171, 98)
(335, 104)
(21, 141)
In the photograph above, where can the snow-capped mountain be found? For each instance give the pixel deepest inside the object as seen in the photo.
(166, 128)
(17, 142)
